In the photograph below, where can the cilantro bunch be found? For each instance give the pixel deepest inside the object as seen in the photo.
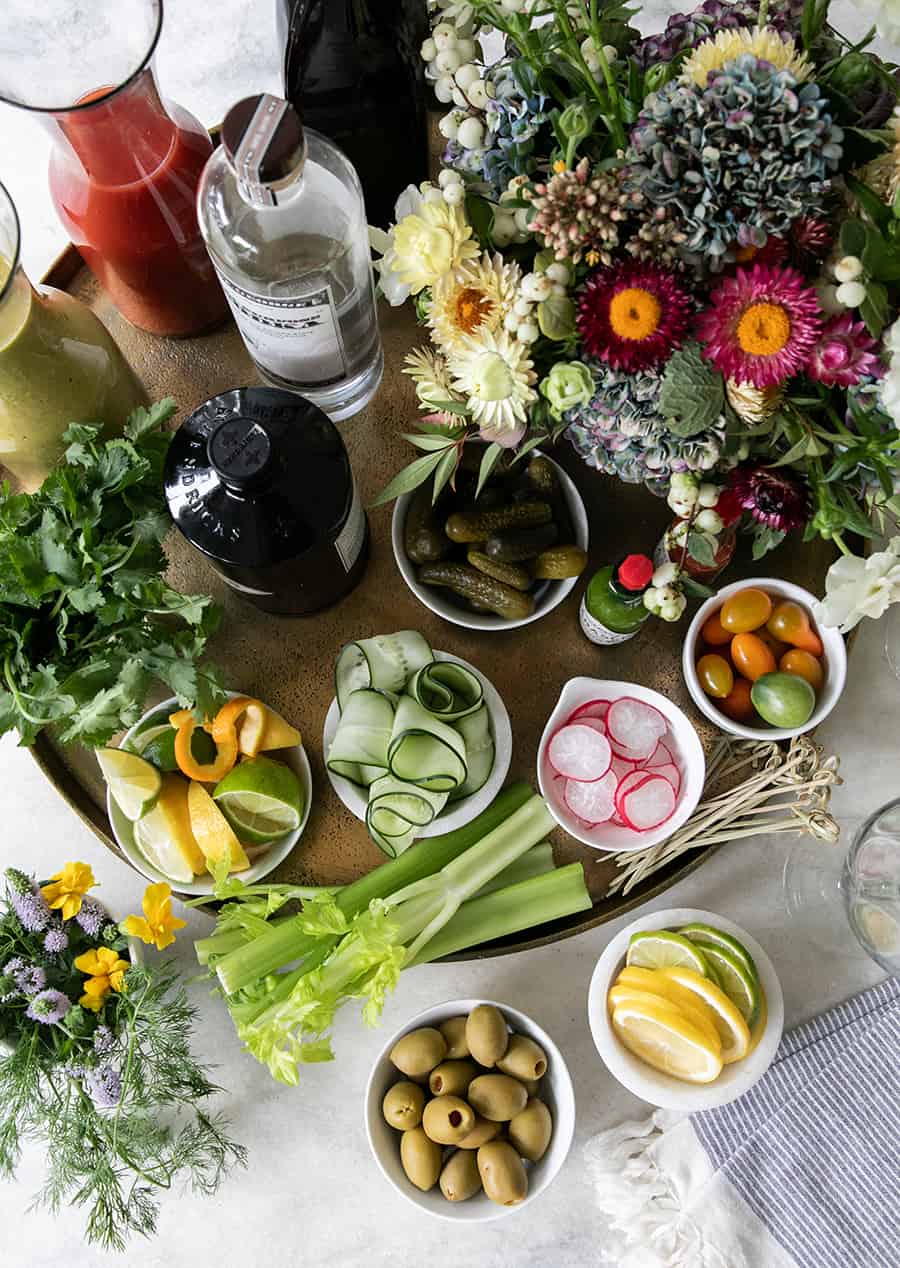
(86, 619)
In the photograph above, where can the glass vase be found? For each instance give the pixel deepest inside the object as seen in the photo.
(125, 163)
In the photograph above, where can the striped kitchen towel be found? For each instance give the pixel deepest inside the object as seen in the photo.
(802, 1171)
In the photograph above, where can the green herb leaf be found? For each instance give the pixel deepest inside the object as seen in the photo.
(696, 589)
(488, 461)
(409, 478)
(692, 395)
(446, 468)
(765, 539)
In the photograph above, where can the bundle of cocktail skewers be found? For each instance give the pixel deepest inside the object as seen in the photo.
(784, 789)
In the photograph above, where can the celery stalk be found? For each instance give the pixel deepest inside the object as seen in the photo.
(535, 862)
(286, 943)
(536, 901)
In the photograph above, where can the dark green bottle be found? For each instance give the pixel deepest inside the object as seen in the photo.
(612, 608)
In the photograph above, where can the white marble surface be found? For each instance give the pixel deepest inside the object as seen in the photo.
(311, 1196)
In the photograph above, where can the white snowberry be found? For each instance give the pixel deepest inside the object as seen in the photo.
(428, 50)
(709, 521)
(522, 307)
(466, 48)
(448, 61)
(454, 194)
(449, 125)
(536, 287)
(448, 175)
(443, 89)
(504, 228)
(466, 75)
(471, 133)
(558, 272)
(851, 294)
(527, 332)
(478, 94)
(444, 36)
(511, 322)
(848, 269)
(665, 574)
(708, 494)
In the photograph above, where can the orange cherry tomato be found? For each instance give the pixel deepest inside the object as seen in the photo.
(751, 657)
(774, 644)
(804, 665)
(791, 624)
(737, 704)
(714, 632)
(746, 610)
(716, 676)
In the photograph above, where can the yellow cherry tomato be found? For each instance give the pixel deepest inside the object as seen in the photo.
(714, 632)
(751, 657)
(790, 622)
(716, 675)
(746, 610)
(804, 665)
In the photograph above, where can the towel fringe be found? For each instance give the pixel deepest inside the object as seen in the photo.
(643, 1211)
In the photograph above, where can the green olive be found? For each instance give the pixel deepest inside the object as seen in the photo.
(448, 1120)
(483, 1131)
(460, 1179)
(451, 1078)
(486, 1034)
(454, 1032)
(417, 1053)
(531, 1086)
(421, 1159)
(497, 1097)
(502, 1173)
(523, 1059)
(531, 1130)
(402, 1106)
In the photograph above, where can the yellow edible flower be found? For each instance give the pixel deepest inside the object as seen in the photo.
(106, 973)
(68, 887)
(763, 42)
(157, 923)
(431, 242)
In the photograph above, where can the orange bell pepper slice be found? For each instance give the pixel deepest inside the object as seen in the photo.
(223, 730)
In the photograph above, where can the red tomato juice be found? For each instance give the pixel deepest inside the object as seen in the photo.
(124, 182)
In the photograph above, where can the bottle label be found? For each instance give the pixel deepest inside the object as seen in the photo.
(349, 541)
(597, 632)
(297, 341)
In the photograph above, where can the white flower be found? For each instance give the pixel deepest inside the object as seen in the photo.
(428, 370)
(887, 20)
(856, 587)
(493, 372)
(890, 385)
(478, 296)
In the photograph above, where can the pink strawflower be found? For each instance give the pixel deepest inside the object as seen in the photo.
(772, 497)
(761, 325)
(633, 316)
(845, 354)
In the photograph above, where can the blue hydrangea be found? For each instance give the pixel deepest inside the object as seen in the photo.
(513, 118)
(738, 160)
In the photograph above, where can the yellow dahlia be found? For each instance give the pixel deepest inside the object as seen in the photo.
(763, 42)
(430, 242)
(494, 374)
(478, 296)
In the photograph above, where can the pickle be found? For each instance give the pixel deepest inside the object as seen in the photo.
(423, 538)
(559, 562)
(509, 574)
(473, 585)
(544, 481)
(524, 543)
(474, 526)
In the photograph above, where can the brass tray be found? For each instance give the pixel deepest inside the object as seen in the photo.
(288, 661)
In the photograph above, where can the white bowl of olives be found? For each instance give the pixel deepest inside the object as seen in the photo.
(470, 1110)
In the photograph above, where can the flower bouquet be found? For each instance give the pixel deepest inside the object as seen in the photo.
(679, 252)
(95, 1058)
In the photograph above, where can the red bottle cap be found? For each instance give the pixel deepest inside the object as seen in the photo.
(635, 572)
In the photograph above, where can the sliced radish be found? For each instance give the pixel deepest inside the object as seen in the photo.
(670, 772)
(593, 801)
(649, 804)
(662, 755)
(632, 780)
(593, 709)
(629, 753)
(621, 768)
(596, 723)
(579, 752)
(634, 725)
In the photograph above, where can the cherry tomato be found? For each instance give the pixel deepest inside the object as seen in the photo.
(751, 657)
(737, 704)
(716, 676)
(790, 623)
(804, 665)
(714, 632)
(746, 610)
(775, 645)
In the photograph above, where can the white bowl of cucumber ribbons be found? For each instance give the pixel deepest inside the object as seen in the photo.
(417, 742)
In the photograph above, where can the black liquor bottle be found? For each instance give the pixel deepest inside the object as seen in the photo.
(258, 480)
(352, 70)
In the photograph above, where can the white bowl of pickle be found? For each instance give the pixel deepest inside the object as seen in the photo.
(470, 1110)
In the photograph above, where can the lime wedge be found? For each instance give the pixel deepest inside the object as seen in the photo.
(659, 949)
(741, 986)
(716, 938)
(156, 723)
(134, 783)
(261, 799)
(160, 750)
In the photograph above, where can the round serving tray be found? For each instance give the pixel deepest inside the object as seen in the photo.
(289, 661)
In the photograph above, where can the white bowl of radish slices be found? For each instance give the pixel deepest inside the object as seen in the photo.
(620, 766)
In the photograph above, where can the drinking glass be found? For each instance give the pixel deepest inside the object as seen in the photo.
(862, 885)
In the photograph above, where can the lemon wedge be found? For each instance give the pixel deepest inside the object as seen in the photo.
(261, 729)
(212, 830)
(691, 1009)
(662, 1036)
(164, 835)
(733, 1030)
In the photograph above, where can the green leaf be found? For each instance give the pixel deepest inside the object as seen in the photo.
(488, 462)
(702, 548)
(142, 421)
(853, 237)
(409, 478)
(480, 214)
(431, 444)
(446, 468)
(692, 395)
(696, 589)
(556, 317)
(875, 308)
(449, 407)
(795, 453)
(871, 204)
(765, 539)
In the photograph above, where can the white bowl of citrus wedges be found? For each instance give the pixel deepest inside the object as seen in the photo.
(185, 798)
(685, 1009)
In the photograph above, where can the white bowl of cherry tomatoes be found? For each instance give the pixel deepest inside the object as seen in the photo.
(758, 666)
